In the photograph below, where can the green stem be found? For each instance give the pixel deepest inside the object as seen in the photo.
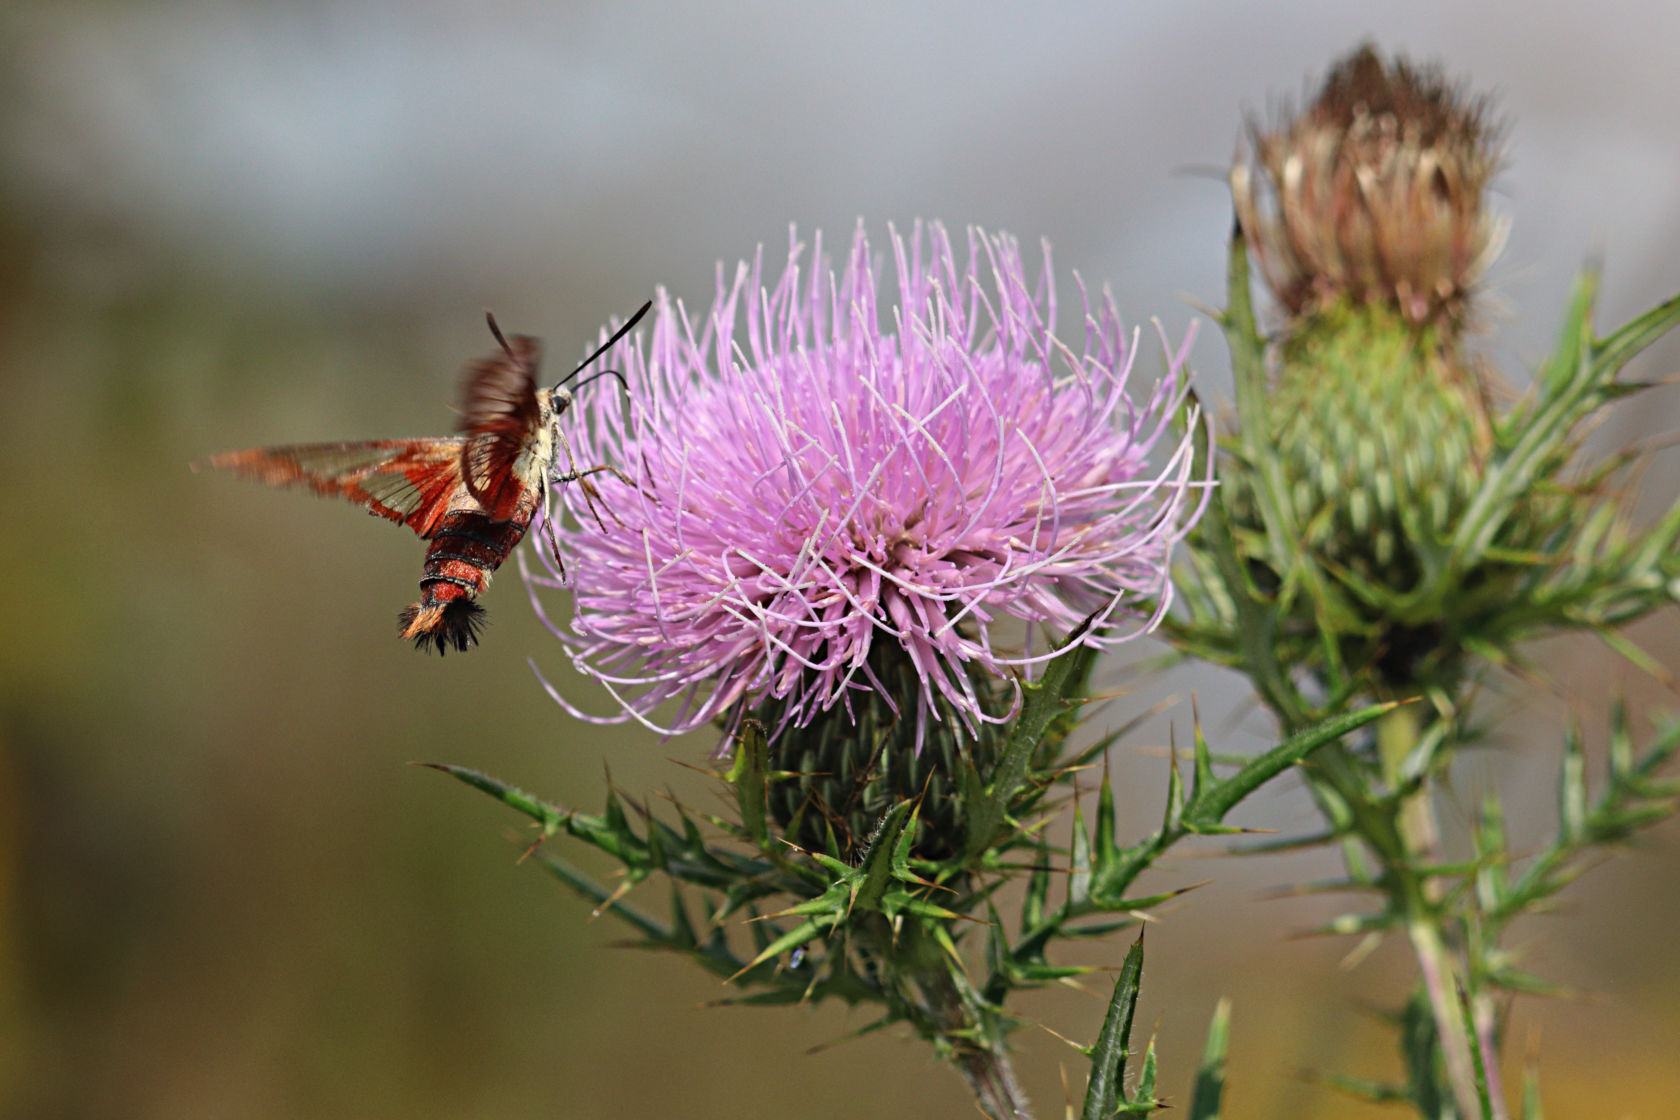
(1486, 1020)
(1440, 981)
(976, 1051)
(1397, 733)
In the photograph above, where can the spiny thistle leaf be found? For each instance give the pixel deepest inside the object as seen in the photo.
(1609, 355)
(607, 900)
(551, 818)
(1106, 849)
(1632, 800)
(1365, 1089)
(1517, 980)
(1205, 812)
(1079, 862)
(1201, 780)
(1572, 789)
(1143, 1102)
(1575, 380)
(802, 934)
(1038, 888)
(1105, 1092)
(1101, 886)
(1173, 816)
(988, 808)
(1493, 876)
(882, 861)
(1248, 368)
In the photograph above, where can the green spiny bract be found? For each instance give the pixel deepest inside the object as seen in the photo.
(850, 765)
(1381, 433)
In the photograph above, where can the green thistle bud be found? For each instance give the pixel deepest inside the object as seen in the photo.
(1381, 521)
(1383, 432)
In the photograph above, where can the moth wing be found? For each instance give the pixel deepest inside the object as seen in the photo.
(499, 416)
(410, 481)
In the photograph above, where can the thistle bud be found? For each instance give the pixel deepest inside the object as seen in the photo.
(851, 764)
(1390, 527)
(1366, 216)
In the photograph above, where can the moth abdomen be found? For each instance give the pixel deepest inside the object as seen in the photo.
(443, 623)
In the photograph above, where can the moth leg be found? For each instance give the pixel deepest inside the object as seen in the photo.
(551, 531)
(630, 483)
(591, 495)
(574, 475)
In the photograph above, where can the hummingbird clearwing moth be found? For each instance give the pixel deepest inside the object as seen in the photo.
(471, 496)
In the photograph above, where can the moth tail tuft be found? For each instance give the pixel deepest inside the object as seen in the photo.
(455, 623)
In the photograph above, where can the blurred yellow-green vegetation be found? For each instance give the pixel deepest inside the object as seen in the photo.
(221, 891)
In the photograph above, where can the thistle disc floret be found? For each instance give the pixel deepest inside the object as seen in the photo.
(808, 471)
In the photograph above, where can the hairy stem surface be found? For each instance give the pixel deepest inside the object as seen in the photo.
(976, 1050)
(1397, 734)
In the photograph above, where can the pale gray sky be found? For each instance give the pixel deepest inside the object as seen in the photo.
(531, 154)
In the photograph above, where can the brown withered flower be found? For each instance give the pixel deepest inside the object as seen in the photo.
(1374, 193)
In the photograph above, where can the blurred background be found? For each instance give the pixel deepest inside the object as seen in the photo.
(222, 894)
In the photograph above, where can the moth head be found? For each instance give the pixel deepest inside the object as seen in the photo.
(554, 402)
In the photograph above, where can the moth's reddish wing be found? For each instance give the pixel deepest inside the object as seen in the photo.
(409, 481)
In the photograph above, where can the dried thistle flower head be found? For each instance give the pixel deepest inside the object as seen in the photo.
(1374, 193)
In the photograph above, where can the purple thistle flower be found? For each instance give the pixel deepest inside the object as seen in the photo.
(950, 481)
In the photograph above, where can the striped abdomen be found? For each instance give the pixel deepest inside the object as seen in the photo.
(463, 551)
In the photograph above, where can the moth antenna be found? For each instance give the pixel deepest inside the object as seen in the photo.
(609, 343)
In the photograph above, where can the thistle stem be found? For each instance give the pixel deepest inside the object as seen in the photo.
(992, 1081)
(1440, 981)
(1487, 1037)
(1397, 733)
(976, 1050)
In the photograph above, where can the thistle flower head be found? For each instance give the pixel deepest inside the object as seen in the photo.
(1374, 193)
(1365, 478)
(809, 474)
